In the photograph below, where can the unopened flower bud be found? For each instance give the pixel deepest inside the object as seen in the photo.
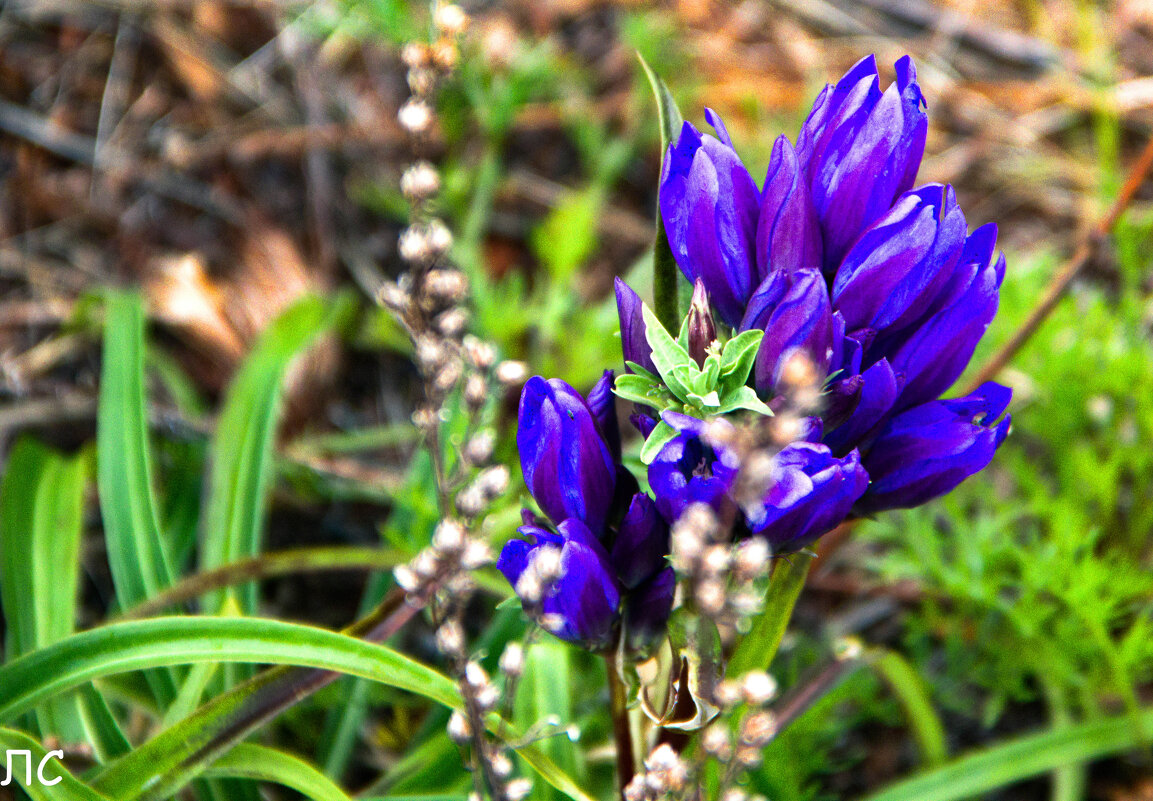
(452, 322)
(450, 638)
(406, 579)
(446, 286)
(459, 730)
(518, 789)
(393, 297)
(478, 450)
(512, 659)
(728, 693)
(476, 555)
(420, 181)
(445, 54)
(414, 54)
(451, 19)
(475, 676)
(449, 537)
(752, 558)
(702, 328)
(758, 729)
(415, 116)
(511, 373)
(475, 390)
(715, 741)
(758, 687)
(482, 354)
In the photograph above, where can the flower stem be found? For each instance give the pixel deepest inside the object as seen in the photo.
(622, 733)
(665, 284)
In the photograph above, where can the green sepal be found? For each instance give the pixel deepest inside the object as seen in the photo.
(662, 435)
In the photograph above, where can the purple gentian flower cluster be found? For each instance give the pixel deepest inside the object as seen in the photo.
(879, 284)
(837, 257)
(610, 538)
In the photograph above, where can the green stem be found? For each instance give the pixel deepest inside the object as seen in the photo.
(665, 283)
(622, 732)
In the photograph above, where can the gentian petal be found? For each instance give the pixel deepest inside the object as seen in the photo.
(567, 465)
(788, 234)
(709, 206)
(880, 387)
(810, 493)
(647, 610)
(930, 449)
(602, 403)
(794, 312)
(641, 543)
(634, 345)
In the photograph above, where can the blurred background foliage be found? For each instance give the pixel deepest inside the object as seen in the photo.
(212, 164)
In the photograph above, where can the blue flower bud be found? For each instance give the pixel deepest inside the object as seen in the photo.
(793, 310)
(709, 205)
(567, 465)
(860, 149)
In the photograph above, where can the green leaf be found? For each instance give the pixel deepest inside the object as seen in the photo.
(667, 354)
(250, 761)
(913, 696)
(137, 548)
(665, 270)
(1009, 762)
(639, 389)
(744, 398)
(164, 641)
(660, 436)
(757, 648)
(738, 357)
(68, 789)
(547, 667)
(41, 522)
(242, 448)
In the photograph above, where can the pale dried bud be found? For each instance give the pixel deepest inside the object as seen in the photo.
(758, 687)
(529, 588)
(710, 597)
(414, 54)
(448, 375)
(518, 789)
(635, 789)
(421, 80)
(716, 559)
(415, 116)
(487, 697)
(735, 794)
(476, 555)
(482, 354)
(439, 237)
(511, 373)
(752, 558)
(449, 537)
(393, 297)
(446, 286)
(478, 450)
(420, 181)
(445, 55)
(406, 579)
(475, 390)
(758, 729)
(552, 622)
(493, 481)
(798, 371)
(450, 638)
(414, 245)
(728, 693)
(501, 765)
(749, 757)
(546, 562)
(452, 322)
(512, 659)
(430, 353)
(459, 730)
(425, 564)
(716, 742)
(451, 19)
(475, 676)
(425, 419)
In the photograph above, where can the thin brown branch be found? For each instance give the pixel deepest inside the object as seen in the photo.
(1060, 282)
(622, 733)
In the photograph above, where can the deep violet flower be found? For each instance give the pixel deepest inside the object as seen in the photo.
(840, 258)
(610, 539)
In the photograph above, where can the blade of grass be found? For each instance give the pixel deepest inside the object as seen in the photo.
(68, 789)
(250, 761)
(242, 447)
(757, 648)
(1009, 762)
(665, 268)
(41, 522)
